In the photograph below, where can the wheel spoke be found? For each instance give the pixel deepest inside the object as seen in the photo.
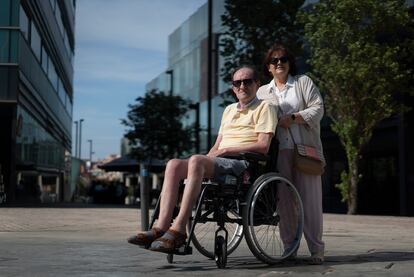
(262, 223)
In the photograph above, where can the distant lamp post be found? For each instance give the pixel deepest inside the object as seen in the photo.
(209, 69)
(76, 140)
(171, 73)
(80, 137)
(90, 151)
(196, 108)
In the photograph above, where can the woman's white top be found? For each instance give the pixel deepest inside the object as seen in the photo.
(288, 104)
(300, 95)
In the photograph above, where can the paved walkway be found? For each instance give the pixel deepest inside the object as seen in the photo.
(91, 242)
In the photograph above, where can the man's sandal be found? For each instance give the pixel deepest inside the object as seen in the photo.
(146, 238)
(169, 242)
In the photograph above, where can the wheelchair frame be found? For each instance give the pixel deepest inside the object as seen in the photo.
(249, 199)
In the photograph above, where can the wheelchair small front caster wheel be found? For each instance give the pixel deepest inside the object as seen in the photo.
(220, 253)
(170, 258)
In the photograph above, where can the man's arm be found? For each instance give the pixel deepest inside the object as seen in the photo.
(213, 151)
(261, 146)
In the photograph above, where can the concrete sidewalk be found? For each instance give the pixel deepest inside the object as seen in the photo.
(92, 242)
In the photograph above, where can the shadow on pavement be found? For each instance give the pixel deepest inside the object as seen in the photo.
(381, 256)
(300, 264)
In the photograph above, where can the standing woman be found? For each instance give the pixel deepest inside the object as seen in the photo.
(300, 109)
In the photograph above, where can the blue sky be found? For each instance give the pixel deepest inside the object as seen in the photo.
(120, 46)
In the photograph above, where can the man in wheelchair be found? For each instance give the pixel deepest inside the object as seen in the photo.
(247, 125)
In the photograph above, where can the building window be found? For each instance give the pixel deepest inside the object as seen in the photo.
(58, 16)
(68, 105)
(53, 77)
(45, 59)
(4, 45)
(61, 92)
(35, 42)
(53, 4)
(8, 46)
(24, 23)
(5, 13)
(67, 44)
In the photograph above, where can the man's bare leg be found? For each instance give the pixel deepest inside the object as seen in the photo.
(199, 167)
(175, 171)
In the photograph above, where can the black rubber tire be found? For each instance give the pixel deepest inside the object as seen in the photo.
(220, 253)
(203, 237)
(261, 218)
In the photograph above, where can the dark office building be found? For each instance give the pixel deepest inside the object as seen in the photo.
(36, 96)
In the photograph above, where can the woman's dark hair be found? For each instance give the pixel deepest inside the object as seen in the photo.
(280, 47)
(251, 67)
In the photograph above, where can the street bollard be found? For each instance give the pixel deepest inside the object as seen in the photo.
(144, 201)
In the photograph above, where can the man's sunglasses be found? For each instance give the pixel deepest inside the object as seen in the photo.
(276, 60)
(246, 82)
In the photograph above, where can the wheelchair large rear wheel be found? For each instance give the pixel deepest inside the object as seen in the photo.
(273, 218)
(205, 228)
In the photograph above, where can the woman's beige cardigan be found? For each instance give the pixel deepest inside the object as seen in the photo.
(310, 108)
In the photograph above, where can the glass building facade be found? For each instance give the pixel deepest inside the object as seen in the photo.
(187, 66)
(387, 184)
(36, 97)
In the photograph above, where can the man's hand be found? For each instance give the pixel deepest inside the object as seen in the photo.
(217, 153)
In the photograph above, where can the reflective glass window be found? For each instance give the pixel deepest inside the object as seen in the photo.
(4, 13)
(61, 92)
(53, 77)
(68, 105)
(34, 144)
(8, 46)
(45, 59)
(35, 41)
(24, 23)
(52, 4)
(67, 44)
(4, 45)
(58, 16)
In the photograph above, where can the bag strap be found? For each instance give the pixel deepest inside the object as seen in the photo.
(290, 132)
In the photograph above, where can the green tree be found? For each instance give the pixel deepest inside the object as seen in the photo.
(155, 127)
(252, 27)
(356, 54)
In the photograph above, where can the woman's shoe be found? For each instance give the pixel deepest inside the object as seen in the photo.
(316, 259)
(145, 239)
(169, 242)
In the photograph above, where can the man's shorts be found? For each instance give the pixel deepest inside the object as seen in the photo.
(224, 166)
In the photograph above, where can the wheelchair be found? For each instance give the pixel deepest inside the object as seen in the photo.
(252, 205)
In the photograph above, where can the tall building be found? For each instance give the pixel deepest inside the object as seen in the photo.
(387, 185)
(36, 97)
(187, 71)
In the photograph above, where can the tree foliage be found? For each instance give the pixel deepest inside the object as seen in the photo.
(357, 51)
(155, 127)
(252, 27)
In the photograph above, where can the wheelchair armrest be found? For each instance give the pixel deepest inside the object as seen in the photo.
(248, 156)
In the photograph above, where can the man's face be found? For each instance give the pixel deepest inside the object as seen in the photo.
(244, 86)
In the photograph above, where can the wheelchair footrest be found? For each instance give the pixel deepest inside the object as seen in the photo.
(183, 251)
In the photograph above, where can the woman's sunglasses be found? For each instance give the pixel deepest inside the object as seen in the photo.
(275, 60)
(246, 82)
